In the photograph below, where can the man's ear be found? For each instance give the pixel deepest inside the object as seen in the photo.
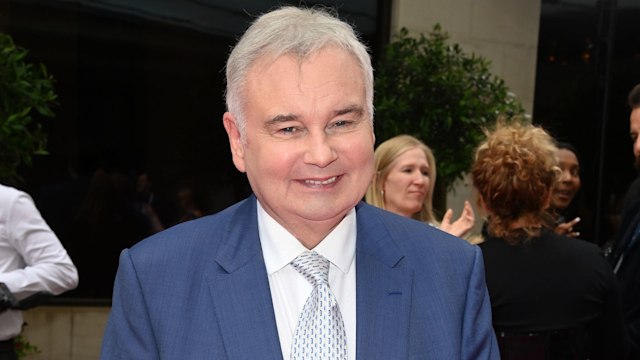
(373, 136)
(235, 141)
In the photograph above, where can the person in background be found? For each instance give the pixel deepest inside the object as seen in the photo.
(248, 282)
(32, 260)
(404, 182)
(552, 297)
(192, 200)
(571, 217)
(625, 255)
(159, 212)
(108, 221)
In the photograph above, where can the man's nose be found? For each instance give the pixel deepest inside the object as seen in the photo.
(320, 151)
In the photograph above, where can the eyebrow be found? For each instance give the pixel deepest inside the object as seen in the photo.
(355, 109)
(281, 118)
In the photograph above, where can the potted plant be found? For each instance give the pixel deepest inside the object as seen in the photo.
(431, 89)
(25, 90)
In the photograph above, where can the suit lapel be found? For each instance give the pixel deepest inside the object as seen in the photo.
(240, 290)
(383, 291)
(239, 287)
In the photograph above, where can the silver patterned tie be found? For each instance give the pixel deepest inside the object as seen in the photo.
(320, 332)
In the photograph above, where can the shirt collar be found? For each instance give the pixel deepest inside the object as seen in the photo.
(280, 247)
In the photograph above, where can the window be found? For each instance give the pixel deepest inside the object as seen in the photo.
(139, 124)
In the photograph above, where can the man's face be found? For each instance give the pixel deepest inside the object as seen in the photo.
(308, 145)
(634, 130)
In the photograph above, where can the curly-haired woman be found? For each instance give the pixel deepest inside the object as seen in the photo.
(552, 297)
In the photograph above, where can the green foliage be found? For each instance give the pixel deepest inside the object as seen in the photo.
(25, 90)
(24, 348)
(430, 89)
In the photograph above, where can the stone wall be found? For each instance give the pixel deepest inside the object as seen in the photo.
(66, 333)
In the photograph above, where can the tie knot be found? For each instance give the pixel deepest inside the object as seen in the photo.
(313, 266)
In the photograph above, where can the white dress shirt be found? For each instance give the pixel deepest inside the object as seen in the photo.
(290, 290)
(31, 256)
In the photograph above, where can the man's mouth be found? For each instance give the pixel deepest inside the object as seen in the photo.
(321, 182)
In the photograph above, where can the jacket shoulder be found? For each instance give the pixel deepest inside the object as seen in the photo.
(414, 238)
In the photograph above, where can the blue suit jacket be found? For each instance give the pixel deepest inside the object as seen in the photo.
(200, 291)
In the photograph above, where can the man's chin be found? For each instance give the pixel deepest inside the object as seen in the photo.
(637, 163)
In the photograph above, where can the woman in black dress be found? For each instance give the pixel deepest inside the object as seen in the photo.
(552, 297)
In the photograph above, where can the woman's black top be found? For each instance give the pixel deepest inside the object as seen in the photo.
(554, 284)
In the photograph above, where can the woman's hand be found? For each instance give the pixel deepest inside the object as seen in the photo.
(461, 226)
(566, 228)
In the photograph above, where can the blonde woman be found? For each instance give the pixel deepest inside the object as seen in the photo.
(404, 181)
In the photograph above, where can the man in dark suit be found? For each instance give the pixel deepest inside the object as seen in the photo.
(625, 255)
(228, 286)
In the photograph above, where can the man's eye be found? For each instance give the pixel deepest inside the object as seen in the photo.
(288, 130)
(342, 123)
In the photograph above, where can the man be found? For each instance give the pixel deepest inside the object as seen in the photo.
(625, 256)
(32, 260)
(229, 286)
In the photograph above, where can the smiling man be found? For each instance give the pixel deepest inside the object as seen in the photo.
(307, 139)
(302, 269)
